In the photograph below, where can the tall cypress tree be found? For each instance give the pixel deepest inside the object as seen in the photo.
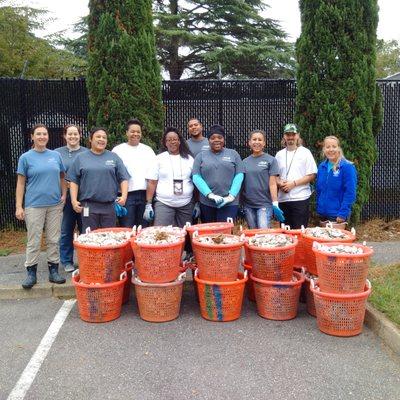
(337, 94)
(124, 78)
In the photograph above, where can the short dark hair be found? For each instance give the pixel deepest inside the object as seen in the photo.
(133, 121)
(95, 129)
(183, 147)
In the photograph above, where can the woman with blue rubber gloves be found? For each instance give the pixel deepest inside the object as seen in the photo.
(260, 190)
(336, 185)
(218, 175)
(169, 180)
(71, 219)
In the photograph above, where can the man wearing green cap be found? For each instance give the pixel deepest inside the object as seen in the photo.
(297, 168)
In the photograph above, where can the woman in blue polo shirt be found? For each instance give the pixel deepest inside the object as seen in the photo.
(40, 198)
(218, 175)
(336, 185)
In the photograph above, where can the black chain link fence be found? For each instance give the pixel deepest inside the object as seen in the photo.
(241, 106)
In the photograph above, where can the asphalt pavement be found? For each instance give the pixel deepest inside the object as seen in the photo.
(191, 358)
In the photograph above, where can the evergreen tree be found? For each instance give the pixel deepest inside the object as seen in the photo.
(337, 93)
(124, 78)
(22, 53)
(195, 36)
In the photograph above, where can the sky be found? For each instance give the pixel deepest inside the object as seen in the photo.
(66, 13)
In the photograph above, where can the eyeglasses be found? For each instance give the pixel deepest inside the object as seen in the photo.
(172, 140)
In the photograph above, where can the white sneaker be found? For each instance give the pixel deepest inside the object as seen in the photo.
(69, 268)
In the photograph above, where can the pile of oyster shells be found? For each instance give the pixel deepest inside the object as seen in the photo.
(340, 249)
(160, 235)
(100, 239)
(271, 240)
(326, 233)
(219, 239)
(171, 230)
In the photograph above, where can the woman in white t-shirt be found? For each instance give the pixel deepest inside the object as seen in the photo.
(170, 179)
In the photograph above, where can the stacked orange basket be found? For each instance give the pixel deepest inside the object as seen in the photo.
(276, 287)
(341, 290)
(247, 263)
(322, 235)
(220, 286)
(101, 278)
(158, 280)
(128, 258)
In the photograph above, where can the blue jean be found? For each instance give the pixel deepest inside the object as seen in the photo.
(135, 204)
(214, 214)
(69, 221)
(258, 217)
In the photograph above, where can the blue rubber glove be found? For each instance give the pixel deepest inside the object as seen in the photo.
(148, 214)
(196, 210)
(218, 199)
(226, 200)
(278, 213)
(120, 211)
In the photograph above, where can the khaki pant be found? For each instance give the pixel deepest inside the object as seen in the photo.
(37, 219)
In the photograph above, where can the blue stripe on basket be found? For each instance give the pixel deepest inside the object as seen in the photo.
(218, 301)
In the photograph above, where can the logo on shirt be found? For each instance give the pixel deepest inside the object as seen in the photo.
(226, 158)
(263, 164)
(110, 163)
(51, 160)
(336, 173)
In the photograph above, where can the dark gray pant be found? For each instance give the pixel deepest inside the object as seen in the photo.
(177, 216)
(101, 215)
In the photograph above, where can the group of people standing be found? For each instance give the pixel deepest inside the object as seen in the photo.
(75, 187)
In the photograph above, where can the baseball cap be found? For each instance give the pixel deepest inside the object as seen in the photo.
(290, 128)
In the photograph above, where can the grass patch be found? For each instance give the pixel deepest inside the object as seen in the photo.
(5, 252)
(386, 290)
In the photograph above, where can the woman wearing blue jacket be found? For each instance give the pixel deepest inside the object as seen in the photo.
(336, 185)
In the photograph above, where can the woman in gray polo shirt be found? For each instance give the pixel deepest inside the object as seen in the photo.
(218, 174)
(95, 179)
(260, 190)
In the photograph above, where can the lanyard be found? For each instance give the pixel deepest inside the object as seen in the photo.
(291, 162)
(172, 166)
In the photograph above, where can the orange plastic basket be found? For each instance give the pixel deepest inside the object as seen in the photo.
(342, 273)
(310, 304)
(252, 232)
(210, 228)
(299, 258)
(100, 264)
(217, 262)
(277, 300)
(309, 256)
(221, 301)
(159, 302)
(340, 314)
(158, 263)
(249, 284)
(99, 302)
(272, 264)
(128, 257)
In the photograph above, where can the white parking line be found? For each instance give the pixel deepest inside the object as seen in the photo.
(30, 371)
